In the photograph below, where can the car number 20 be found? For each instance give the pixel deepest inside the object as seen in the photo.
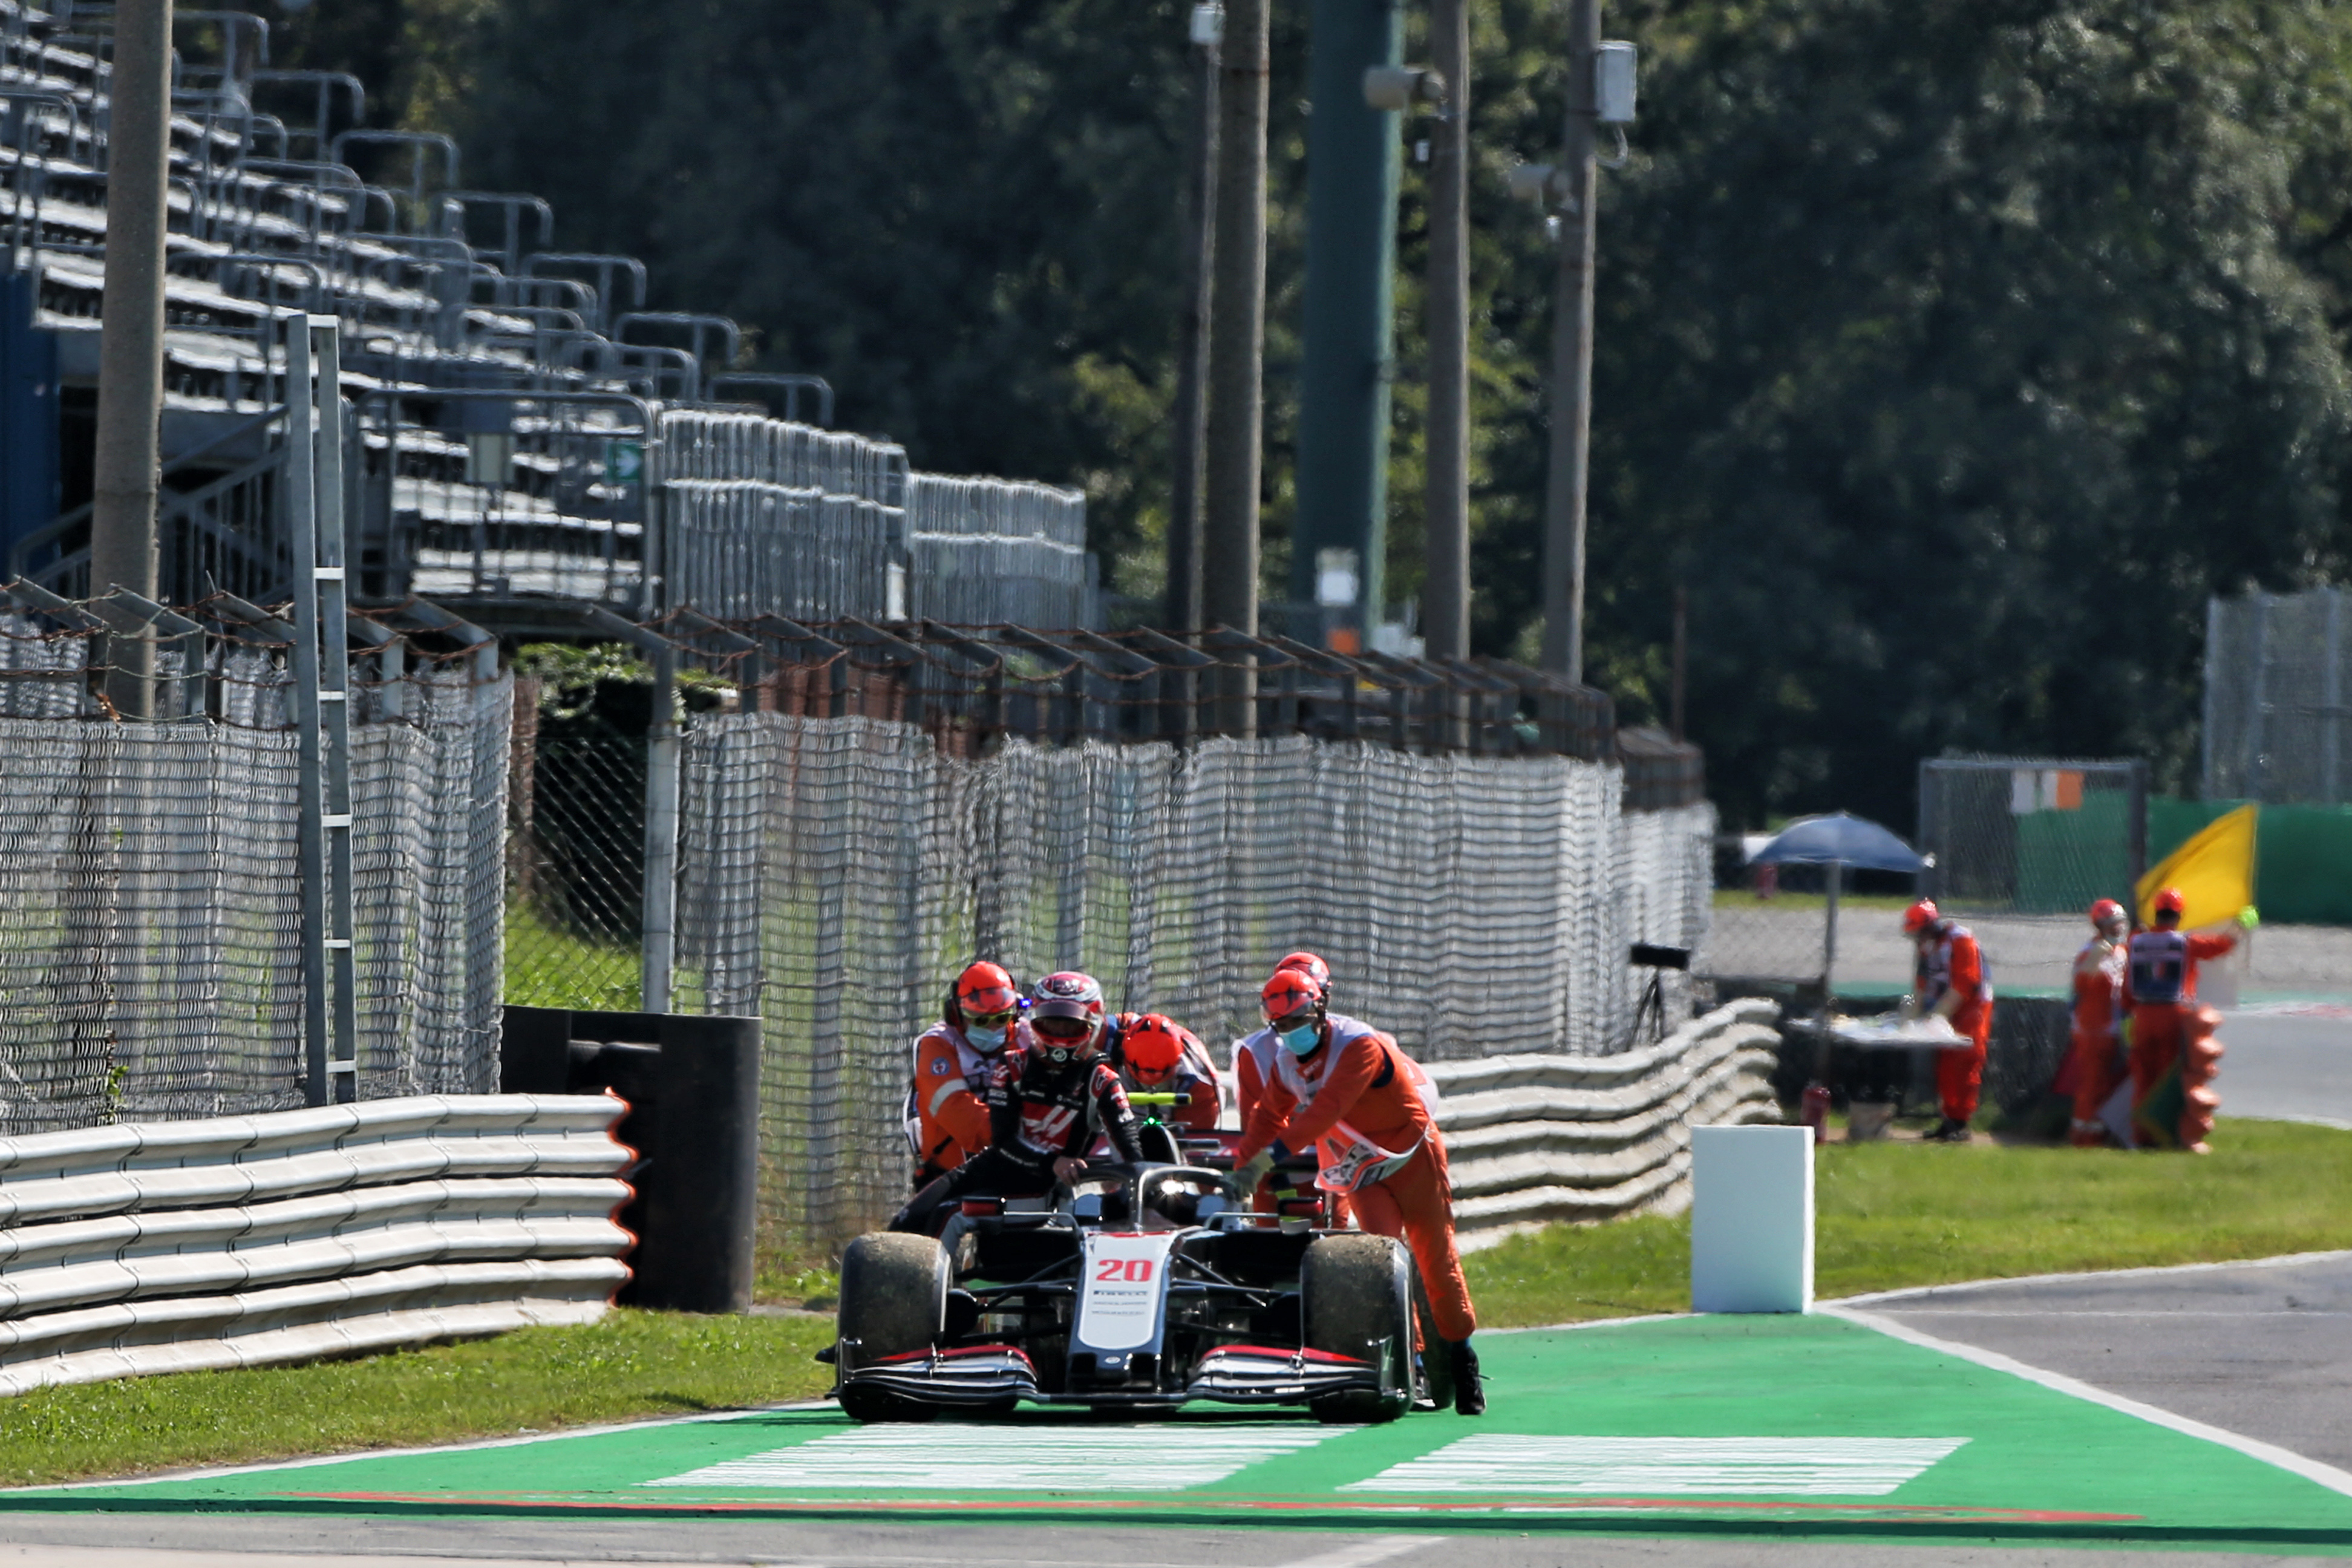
(1135, 1270)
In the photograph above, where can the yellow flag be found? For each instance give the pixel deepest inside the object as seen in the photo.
(2214, 871)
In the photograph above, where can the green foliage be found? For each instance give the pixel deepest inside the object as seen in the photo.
(629, 1365)
(1893, 1215)
(1952, 351)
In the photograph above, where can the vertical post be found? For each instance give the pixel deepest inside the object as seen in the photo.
(335, 707)
(1829, 938)
(1930, 832)
(1353, 167)
(2216, 671)
(1229, 532)
(130, 336)
(1571, 358)
(660, 905)
(2257, 779)
(1681, 654)
(310, 830)
(2331, 697)
(1181, 609)
(1445, 612)
(2135, 824)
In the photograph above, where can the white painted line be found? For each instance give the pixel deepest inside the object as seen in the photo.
(1588, 1323)
(2153, 1314)
(2284, 1261)
(1666, 1466)
(168, 1477)
(1000, 1460)
(1363, 1553)
(22, 1556)
(2327, 1475)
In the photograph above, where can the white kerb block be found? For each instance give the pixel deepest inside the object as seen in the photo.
(1751, 1219)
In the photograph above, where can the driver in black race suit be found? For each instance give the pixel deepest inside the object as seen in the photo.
(1048, 1104)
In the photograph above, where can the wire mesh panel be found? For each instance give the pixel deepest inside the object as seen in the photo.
(834, 873)
(575, 869)
(2028, 835)
(2023, 847)
(2278, 692)
(151, 937)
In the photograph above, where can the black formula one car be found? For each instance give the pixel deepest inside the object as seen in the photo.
(1142, 1287)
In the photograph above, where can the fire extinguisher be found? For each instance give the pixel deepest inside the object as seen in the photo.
(1814, 1110)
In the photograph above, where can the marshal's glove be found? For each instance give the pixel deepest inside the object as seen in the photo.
(1243, 1183)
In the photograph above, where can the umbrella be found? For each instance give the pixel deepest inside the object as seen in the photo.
(1837, 841)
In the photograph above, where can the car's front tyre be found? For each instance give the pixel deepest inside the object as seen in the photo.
(1357, 1293)
(894, 1301)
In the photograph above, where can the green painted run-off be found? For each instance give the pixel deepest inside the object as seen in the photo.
(1778, 1415)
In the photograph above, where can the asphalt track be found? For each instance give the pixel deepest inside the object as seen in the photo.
(2293, 1066)
(1820, 1440)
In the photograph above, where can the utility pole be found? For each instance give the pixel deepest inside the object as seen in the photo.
(1571, 355)
(1445, 606)
(130, 335)
(1181, 610)
(1237, 348)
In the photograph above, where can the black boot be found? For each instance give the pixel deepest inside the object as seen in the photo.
(1469, 1395)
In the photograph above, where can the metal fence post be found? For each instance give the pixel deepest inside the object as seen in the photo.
(334, 703)
(2258, 771)
(310, 830)
(661, 835)
(2331, 697)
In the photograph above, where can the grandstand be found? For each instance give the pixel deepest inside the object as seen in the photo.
(525, 427)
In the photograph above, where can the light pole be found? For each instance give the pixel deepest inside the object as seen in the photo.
(1181, 609)
(1599, 92)
(1446, 615)
(130, 333)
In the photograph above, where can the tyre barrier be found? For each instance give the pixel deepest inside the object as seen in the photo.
(1532, 1140)
(251, 1240)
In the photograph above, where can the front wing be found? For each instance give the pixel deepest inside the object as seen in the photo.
(980, 1376)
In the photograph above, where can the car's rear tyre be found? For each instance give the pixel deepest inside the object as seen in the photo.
(894, 1299)
(1357, 1293)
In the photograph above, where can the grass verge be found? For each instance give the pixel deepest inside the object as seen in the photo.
(629, 1365)
(1889, 1215)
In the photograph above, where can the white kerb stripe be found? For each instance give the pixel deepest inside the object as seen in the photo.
(1667, 1466)
(1008, 1458)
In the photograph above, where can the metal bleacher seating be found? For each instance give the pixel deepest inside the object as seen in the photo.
(526, 424)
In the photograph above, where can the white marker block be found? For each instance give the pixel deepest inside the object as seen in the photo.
(1751, 1219)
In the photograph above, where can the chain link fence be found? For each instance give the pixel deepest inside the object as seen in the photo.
(2278, 690)
(151, 938)
(834, 872)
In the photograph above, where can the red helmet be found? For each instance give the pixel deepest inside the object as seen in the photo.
(983, 994)
(1290, 992)
(2106, 910)
(1307, 962)
(1067, 1015)
(1153, 1046)
(2169, 901)
(1919, 917)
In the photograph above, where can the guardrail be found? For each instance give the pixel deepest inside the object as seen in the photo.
(248, 1240)
(1536, 1139)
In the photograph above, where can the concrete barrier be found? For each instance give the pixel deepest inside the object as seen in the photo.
(1536, 1139)
(245, 1240)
